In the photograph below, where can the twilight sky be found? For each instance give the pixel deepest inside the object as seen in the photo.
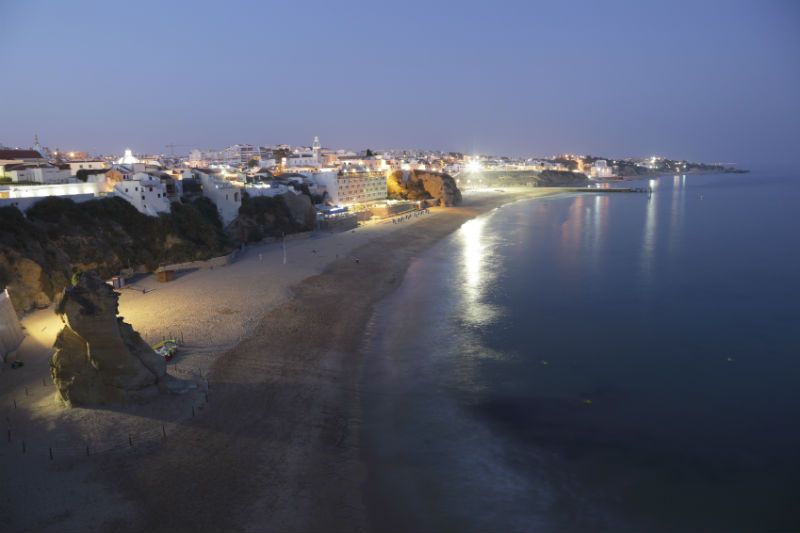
(715, 80)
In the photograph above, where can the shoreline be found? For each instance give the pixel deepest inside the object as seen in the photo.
(289, 423)
(279, 435)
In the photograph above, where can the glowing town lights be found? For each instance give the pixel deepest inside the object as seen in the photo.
(474, 166)
(128, 158)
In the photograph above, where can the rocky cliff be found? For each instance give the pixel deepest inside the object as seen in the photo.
(301, 208)
(39, 251)
(98, 357)
(265, 216)
(527, 178)
(422, 185)
(561, 178)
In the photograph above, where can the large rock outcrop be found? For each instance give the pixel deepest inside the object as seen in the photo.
(98, 357)
(267, 216)
(27, 284)
(423, 185)
(301, 208)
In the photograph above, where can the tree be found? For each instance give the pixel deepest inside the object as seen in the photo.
(369, 153)
(253, 163)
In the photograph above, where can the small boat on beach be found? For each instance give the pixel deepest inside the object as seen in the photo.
(166, 348)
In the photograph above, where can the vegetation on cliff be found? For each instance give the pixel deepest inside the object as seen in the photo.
(517, 178)
(264, 216)
(38, 251)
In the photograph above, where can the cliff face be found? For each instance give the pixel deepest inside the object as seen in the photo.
(39, 251)
(561, 178)
(264, 216)
(517, 178)
(422, 185)
(98, 357)
(301, 209)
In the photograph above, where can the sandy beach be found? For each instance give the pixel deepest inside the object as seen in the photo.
(271, 432)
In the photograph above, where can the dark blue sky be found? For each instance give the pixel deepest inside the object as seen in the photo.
(706, 80)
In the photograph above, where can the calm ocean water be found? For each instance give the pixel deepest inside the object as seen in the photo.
(595, 362)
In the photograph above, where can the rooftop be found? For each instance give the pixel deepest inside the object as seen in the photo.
(19, 154)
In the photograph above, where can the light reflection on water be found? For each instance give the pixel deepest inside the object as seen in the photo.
(677, 204)
(636, 304)
(477, 255)
(649, 243)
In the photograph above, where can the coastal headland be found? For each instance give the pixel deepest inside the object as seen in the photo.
(274, 446)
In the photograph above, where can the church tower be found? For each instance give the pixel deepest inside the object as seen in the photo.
(37, 146)
(315, 147)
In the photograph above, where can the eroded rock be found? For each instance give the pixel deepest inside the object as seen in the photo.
(422, 185)
(98, 357)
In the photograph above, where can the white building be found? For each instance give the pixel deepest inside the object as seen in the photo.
(145, 192)
(204, 158)
(24, 196)
(13, 156)
(600, 169)
(240, 154)
(128, 158)
(348, 188)
(36, 174)
(301, 160)
(75, 166)
(266, 189)
(225, 195)
(305, 158)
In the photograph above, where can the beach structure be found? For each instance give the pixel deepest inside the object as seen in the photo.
(11, 334)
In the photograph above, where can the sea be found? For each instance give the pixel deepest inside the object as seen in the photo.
(595, 362)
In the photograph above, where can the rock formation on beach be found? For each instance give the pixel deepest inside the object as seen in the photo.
(422, 185)
(98, 357)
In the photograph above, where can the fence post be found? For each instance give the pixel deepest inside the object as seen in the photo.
(15, 403)
(130, 440)
(193, 411)
(23, 447)
(164, 431)
(87, 450)
(51, 453)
